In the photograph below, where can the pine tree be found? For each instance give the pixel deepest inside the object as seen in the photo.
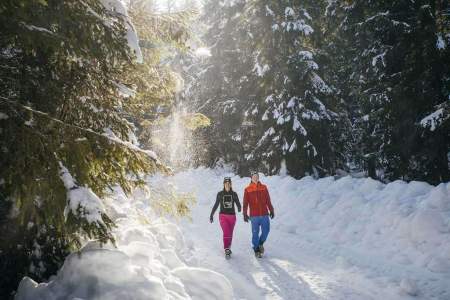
(66, 104)
(215, 89)
(296, 107)
(400, 76)
(263, 87)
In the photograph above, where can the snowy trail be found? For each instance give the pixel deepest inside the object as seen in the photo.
(288, 270)
(296, 265)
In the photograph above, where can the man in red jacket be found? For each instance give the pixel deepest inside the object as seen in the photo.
(256, 196)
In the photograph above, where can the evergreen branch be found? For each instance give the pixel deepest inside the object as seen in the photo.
(113, 139)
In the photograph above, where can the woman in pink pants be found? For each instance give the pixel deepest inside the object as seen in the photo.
(226, 199)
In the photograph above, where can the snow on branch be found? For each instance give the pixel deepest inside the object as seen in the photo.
(108, 134)
(435, 119)
(119, 8)
(440, 43)
(36, 28)
(113, 138)
(319, 84)
(81, 201)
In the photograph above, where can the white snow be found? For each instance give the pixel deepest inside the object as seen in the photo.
(148, 263)
(379, 57)
(306, 55)
(298, 25)
(131, 144)
(352, 238)
(36, 28)
(292, 102)
(433, 120)
(81, 201)
(440, 43)
(269, 99)
(125, 91)
(347, 238)
(319, 84)
(261, 70)
(289, 12)
(269, 132)
(384, 14)
(307, 15)
(202, 52)
(269, 12)
(409, 287)
(298, 126)
(121, 8)
(310, 114)
(293, 146)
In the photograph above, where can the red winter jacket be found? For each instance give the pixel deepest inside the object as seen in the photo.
(257, 197)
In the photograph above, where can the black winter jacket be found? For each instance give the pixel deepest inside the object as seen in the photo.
(226, 200)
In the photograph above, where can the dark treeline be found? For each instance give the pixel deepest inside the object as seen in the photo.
(327, 85)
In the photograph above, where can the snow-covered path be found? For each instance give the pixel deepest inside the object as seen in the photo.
(297, 265)
(289, 270)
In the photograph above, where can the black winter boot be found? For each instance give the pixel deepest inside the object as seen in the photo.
(261, 248)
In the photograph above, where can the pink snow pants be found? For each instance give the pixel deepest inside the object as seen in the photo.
(227, 223)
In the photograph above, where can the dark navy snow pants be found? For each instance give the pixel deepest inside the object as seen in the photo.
(263, 223)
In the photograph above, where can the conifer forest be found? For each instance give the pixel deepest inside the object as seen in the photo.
(103, 100)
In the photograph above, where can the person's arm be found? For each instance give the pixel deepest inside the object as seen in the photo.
(269, 204)
(216, 205)
(236, 200)
(245, 206)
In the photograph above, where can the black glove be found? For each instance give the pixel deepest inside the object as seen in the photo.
(245, 218)
(272, 214)
(211, 219)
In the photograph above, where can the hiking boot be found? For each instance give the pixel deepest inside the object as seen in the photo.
(258, 254)
(228, 253)
(261, 249)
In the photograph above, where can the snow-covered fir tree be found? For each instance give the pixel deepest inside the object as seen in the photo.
(266, 87)
(399, 61)
(215, 87)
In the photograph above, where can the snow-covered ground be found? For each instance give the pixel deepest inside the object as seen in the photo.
(146, 264)
(330, 239)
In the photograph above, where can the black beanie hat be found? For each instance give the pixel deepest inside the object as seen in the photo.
(227, 179)
(254, 172)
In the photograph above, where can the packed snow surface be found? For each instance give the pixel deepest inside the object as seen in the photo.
(331, 238)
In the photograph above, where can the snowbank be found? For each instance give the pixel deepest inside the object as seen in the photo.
(147, 263)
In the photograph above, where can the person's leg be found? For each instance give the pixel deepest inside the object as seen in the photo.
(228, 233)
(265, 228)
(232, 222)
(255, 231)
(225, 230)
